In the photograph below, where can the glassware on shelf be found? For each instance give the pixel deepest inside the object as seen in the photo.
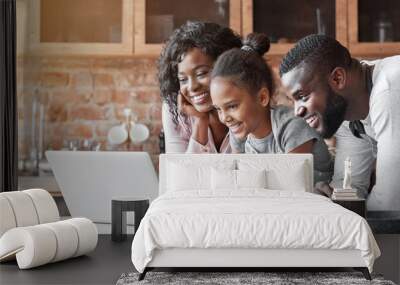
(37, 127)
(74, 145)
(162, 17)
(90, 145)
(383, 29)
(287, 21)
(81, 144)
(159, 27)
(221, 4)
(321, 30)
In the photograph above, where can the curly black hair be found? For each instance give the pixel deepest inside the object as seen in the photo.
(319, 52)
(245, 67)
(210, 38)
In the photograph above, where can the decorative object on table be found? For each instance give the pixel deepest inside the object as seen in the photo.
(347, 192)
(138, 133)
(344, 194)
(118, 134)
(347, 174)
(128, 131)
(31, 231)
(244, 278)
(119, 207)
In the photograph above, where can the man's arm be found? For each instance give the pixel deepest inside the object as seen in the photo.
(385, 118)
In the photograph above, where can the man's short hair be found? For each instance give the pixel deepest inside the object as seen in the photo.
(319, 52)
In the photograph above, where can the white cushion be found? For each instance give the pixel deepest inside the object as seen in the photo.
(32, 246)
(251, 178)
(45, 205)
(227, 179)
(67, 237)
(183, 177)
(26, 208)
(40, 244)
(87, 232)
(186, 175)
(281, 168)
(282, 175)
(223, 179)
(7, 218)
(23, 208)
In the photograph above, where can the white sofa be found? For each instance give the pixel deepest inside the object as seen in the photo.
(31, 231)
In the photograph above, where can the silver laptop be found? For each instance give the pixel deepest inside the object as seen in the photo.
(89, 179)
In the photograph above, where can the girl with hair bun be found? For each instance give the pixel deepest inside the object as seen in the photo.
(241, 88)
(189, 120)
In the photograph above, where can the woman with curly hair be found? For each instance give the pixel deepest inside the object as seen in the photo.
(190, 122)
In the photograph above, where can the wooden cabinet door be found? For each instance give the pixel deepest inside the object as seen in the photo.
(155, 20)
(374, 27)
(81, 26)
(286, 21)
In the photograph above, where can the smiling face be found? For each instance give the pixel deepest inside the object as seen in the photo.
(315, 101)
(240, 111)
(194, 79)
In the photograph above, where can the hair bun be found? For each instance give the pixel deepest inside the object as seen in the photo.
(247, 48)
(257, 42)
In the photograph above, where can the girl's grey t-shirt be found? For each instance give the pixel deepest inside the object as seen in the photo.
(289, 132)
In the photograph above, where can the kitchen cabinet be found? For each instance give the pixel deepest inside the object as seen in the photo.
(366, 27)
(287, 21)
(155, 20)
(374, 27)
(81, 26)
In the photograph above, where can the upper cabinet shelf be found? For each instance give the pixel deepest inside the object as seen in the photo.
(374, 27)
(81, 26)
(366, 27)
(155, 20)
(287, 21)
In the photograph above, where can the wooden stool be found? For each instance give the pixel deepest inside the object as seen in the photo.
(119, 207)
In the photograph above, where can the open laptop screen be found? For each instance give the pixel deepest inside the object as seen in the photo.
(88, 180)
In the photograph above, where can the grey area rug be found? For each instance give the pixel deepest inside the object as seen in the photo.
(229, 278)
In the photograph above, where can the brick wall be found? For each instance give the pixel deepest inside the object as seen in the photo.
(85, 96)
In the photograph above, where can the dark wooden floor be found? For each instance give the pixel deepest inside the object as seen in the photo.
(102, 266)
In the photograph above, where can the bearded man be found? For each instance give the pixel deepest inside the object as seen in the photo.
(356, 100)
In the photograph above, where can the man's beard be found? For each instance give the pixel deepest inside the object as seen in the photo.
(334, 114)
